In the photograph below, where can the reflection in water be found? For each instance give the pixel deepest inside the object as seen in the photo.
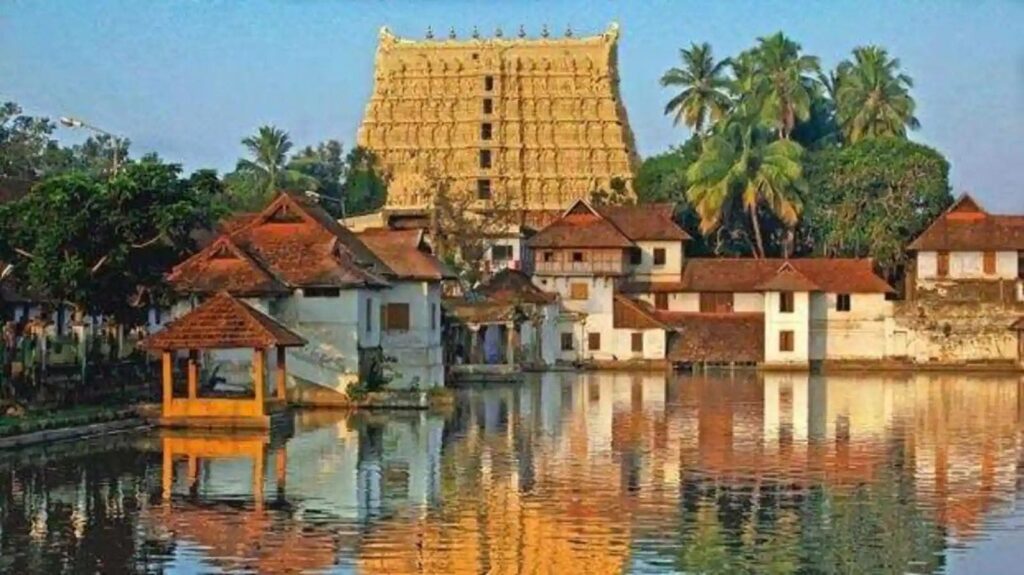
(593, 473)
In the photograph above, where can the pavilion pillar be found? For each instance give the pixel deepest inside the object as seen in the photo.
(193, 374)
(168, 380)
(474, 344)
(281, 373)
(510, 344)
(258, 383)
(167, 472)
(258, 472)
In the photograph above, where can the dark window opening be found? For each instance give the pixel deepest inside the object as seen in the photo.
(786, 303)
(395, 317)
(321, 292)
(843, 302)
(566, 342)
(485, 159)
(486, 131)
(659, 256)
(549, 256)
(635, 256)
(577, 256)
(716, 302)
(483, 189)
(501, 253)
(637, 342)
(488, 106)
(488, 83)
(661, 301)
(786, 341)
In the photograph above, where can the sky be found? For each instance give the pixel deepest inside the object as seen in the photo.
(190, 78)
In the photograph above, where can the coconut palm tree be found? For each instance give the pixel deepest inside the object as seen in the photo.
(703, 83)
(740, 165)
(256, 180)
(785, 82)
(872, 96)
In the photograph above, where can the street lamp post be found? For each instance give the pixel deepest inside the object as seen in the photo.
(70, 122)
(321, 197)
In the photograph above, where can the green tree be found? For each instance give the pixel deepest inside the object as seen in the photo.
(782, 80)
(871, 198)
(364, 188)
(326, 164)
(703, 85)
(872, 96)
(257, 179)
(104, 245)
(742, 166)
(27, 148)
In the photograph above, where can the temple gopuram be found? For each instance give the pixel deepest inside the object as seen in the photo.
(513, 123)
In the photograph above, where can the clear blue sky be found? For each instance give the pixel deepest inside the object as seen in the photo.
(190, 78)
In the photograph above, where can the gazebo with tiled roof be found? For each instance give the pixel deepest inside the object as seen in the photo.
(223, 322)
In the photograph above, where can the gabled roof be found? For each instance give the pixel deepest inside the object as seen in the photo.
(727, 337)
(628, 313)
(514, 286)
(581, 226)
(584, 225)
(405, 252)
(647, 222)
(223, 322)
(223, 266)
(966, 226)
(788, 279)
(832, 275)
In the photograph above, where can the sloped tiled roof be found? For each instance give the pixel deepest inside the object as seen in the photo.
(403, 251)
(628, 313)
(709, 337)
(833, 275)
(647, 222)
(223, 322)
(967, 227)
(514, 286)
(224, 266)
(787, 278)
(1018, 325)
(480, 312)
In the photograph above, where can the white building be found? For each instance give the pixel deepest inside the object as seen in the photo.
(297, 264)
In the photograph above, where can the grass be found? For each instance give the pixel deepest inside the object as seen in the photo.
(44, 419)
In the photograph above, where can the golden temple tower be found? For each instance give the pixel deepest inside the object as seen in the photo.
(521, 123)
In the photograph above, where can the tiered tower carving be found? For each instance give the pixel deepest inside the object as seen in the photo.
(512, 122)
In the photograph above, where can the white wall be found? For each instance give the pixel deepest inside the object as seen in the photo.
(333, 328)
(548, 334)
(798, 322)
(520, 254)
(600, 290)
(669, 271)
(967, 265)
(748, 302)
(419, 350)
(861, 333)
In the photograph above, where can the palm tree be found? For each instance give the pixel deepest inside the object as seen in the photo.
(872, 96)
(703, 84)
(256, 180)
(740, 164)
(785, 82)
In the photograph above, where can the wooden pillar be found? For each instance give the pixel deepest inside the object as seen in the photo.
(167, 472)
(193, 374)
(510, 347)
(474, 344)
(258, 383)
(258, 471)
(281, 373)
(168, 368)
(281, 469)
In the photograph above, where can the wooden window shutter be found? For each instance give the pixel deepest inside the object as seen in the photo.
(661, 301)
(943, 264)
(579, 291)
(637, 342)
(786, 342)
(594, 341)
(989, 263)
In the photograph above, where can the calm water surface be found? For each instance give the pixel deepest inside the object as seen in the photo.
(594, 473)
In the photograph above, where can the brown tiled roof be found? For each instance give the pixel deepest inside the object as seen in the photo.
(787, 278)
(653, 287)
(833, 275)
(1018, 325)
(403, 251)
(479, 312)
(711, 337)
(223, 266)
(223, 322)
(581, 227)
(628, 313)
(514, 286)
(967, 227)
(647, 222)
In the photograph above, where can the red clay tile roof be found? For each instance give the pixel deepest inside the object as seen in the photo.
(833, 275)
(223, 266)
(787, 278)
(967, 227)
(480, 312)
(223, 322)
(710, 337)
(514, 286)
(581, 227)
(1018, 325)
(647, 222)
(628, 313)
(404, 252)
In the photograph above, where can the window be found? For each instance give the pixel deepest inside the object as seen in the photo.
(321, 292)
(843, 302)
(661, 301)
(989, 263)
(637, 342)
(501, 253)
(488, 83)
(594, 341)
(566, 342)
(786, 303)
(1020, 265)
(577, 256)
(485, 159)
(369, 315)
(786, 342)
(434, 323)
(549, 256)
(488, 106)
(711, 302)
(394, 317)
(635, 256)
(579, 291)
(942, 265)
(659, 256)
(483, 189)
(486, 131)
